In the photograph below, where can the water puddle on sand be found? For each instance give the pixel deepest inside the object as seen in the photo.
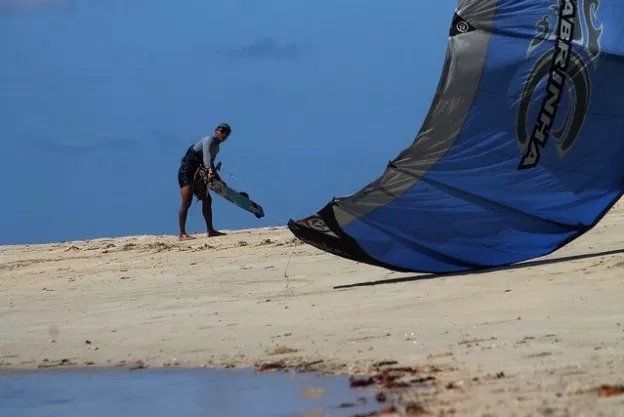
(180, 392)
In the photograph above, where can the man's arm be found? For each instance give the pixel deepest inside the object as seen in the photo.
(210, 153)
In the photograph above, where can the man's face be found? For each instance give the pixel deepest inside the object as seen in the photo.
(221, 135)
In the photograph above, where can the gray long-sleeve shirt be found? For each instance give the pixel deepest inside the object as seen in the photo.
(209, 147)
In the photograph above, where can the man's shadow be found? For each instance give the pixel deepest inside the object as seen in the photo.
(483, 271)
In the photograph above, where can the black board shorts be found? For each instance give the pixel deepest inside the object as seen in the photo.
(188, 166)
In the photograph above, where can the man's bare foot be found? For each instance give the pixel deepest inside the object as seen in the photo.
(215, 233)
(184, 236)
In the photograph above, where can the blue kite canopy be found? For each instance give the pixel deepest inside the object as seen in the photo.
(522, 150)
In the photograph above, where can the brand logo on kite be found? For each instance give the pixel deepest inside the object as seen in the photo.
(462, 27)
(316, 223)
(561, 74)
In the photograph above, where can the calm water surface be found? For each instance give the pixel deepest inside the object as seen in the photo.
(178, 392)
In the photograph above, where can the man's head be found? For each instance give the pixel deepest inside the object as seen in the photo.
(222, 131)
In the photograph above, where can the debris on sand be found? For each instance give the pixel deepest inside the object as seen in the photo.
(282, 350)
(46, 363)
(139, 365)
(159, 247)
(385, 363)
(610, 390)
(414, 409)
(388, 379)
(271, 366)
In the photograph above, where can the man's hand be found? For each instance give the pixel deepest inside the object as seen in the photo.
(211, 173)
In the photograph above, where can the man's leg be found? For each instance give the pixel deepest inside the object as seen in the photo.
(186, 194)
(207, 211)
(185, 180)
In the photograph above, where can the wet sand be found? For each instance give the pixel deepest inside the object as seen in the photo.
(535, 339)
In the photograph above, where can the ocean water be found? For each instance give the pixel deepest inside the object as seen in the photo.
(180, 393)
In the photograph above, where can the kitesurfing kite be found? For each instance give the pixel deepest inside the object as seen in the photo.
(522, 150)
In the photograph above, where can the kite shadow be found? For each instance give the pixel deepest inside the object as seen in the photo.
(483, 271)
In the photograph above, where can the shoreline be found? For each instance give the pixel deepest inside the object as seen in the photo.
(541, 335)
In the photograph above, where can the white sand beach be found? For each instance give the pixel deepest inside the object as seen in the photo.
(534, 339)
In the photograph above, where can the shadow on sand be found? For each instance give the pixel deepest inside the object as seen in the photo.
(483, 271)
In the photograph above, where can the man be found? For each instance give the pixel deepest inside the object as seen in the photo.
(200, 155)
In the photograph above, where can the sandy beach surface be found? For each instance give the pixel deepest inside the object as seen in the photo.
(541, 338)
